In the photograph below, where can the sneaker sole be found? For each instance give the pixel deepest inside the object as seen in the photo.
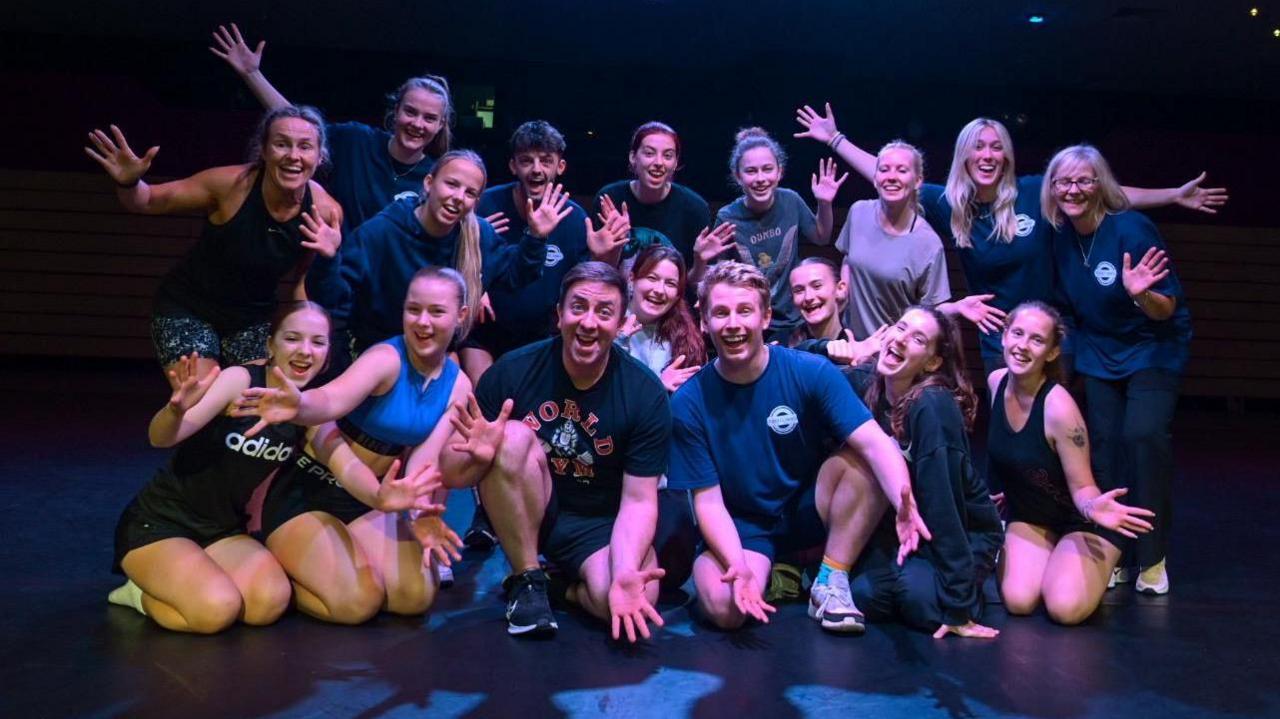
(533, 630)
(847, 625)
(1151, 591)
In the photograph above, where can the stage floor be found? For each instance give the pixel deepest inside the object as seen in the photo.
(76, 452)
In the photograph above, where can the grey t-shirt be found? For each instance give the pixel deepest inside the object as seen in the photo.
(889, 273)
(771, 242)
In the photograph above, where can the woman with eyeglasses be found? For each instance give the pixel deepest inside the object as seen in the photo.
(992, 217)
(1133, 334)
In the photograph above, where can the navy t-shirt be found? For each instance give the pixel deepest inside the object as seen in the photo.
(621, 424)
(761, 442)
(363, 177)
(1014, 271)
(1114, 338)
(365, 290)
(528, 310)
(675, 221)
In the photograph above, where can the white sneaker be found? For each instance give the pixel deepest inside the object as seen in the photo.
(1153, 580)
(832, 605)
(1119, 575)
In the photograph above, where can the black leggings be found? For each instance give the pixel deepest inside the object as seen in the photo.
(1130, 425)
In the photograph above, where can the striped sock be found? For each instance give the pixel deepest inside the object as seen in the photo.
(829, 565)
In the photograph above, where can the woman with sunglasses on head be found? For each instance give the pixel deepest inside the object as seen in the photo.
(1133, 337)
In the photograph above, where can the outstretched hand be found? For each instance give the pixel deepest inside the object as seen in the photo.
(188, 386)
(272, 405)
(746, 595)
(1153, 267)
(499, 221)
(117, 158)
(975, 309)
(824, 183)
(676, 374)
(968, 629)
(629, 608)
(711, 243)
(910, 527)
(819, 127)
(553, 208)
(614, 232)
(231, 47)
(413, 491)
(480, 438)
(324, 235)
(1202, 199)
(438, 540)
(1105, 511)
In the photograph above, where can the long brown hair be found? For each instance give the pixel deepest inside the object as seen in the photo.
(677, 326)
(950, 375)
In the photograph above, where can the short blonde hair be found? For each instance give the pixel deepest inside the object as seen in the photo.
(1112, 198)
(734, 274)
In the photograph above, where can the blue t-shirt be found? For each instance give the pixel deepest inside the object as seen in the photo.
(527, 309)
(761, 442)
(365, 289)
(1014, 271)
(1114, 338)
(363, 176)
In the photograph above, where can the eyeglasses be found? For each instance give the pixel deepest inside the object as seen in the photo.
(1084, 183)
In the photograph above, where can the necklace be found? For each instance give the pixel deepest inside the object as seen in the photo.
(398, 175)
(1080, 245)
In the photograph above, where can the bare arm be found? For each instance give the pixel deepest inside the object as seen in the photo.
(195, 401)
(231, 47)
(200, 192)
(882, 455)
(823, 129)
(1189, 195)
(373, 373)
(635, 524)
(723, 541)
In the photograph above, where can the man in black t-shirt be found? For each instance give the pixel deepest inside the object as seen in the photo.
(566, 440)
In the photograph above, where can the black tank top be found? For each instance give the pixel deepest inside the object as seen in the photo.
(229, 278)
(212, 474)
(1028, 468)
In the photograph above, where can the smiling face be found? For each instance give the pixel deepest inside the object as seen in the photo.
(816, 292)
(300, 345)
(986, 160)
(433, 311)
(735, 319)
(896, 179)
(1030, 342)
(589, 317)
(452, 191)
(910, 348)
(759, 175)
(419, 117)
(654, 161)
(536, 170)
(1075, 189)
(655, 291)
(291, 153)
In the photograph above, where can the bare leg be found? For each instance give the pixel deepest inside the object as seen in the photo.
(1027, 548)
(183, 588)
(515, 492)
(475, 362)
(332, 579)
(850, 502)
(261, 581)
(592, 593)
(1076, 576)
(388, 543)
(715, 597)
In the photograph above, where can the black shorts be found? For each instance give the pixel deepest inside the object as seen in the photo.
(498, 339)
(307, 485)
(1062, 528)
(567, 538)
(146, 522)
(798, 527)
(176, 336)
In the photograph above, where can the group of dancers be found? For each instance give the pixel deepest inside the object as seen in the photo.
(644, 392)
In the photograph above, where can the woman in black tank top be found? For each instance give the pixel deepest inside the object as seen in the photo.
(263, 217)
(182, 541)
(1063, 534)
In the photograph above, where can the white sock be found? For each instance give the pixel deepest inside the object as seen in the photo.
(128, 595)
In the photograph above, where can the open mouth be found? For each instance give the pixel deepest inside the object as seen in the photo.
(891, 358)
(733, 342)
(300, 368)
(450, 212)
(657, 174)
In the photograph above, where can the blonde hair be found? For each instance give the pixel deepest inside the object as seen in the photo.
(917, 164)
(467, 258)
(1112, 198)
(961, 190)
(734, 274)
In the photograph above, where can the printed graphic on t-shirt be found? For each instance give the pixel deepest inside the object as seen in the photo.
(782, 419)
(555, 255)
(569, 439)
(1105, 274)
(784, 254)
(1026, 225)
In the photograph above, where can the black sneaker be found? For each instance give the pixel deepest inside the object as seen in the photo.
(528, 610)
(480, 535)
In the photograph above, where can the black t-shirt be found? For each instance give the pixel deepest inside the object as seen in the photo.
(591, 437)
(675, 221)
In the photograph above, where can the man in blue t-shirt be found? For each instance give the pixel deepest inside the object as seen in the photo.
(749, 436)
(574, 473)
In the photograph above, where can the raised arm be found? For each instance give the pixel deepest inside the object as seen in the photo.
(1189, 195)
(198, 192)
(823, 129)
(825, 185)
(1065, 430)
(195, 401)
(231, 47)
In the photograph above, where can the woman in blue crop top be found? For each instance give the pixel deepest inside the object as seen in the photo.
(346, 545)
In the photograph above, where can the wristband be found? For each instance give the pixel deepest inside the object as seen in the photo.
(131, 185)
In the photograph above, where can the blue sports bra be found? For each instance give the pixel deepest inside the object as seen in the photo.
(404, 416)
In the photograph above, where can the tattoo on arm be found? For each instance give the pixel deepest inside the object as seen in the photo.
(1078, 437)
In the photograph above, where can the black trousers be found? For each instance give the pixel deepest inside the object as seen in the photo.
(1130, 427)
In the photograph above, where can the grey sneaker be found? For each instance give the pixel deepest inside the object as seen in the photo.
(1153, 580)
(832, 605)
(1120, 575)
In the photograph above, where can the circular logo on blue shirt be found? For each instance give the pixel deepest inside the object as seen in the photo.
(782, 419)
(554, 256)
(1105, 274)
(1025, 225)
